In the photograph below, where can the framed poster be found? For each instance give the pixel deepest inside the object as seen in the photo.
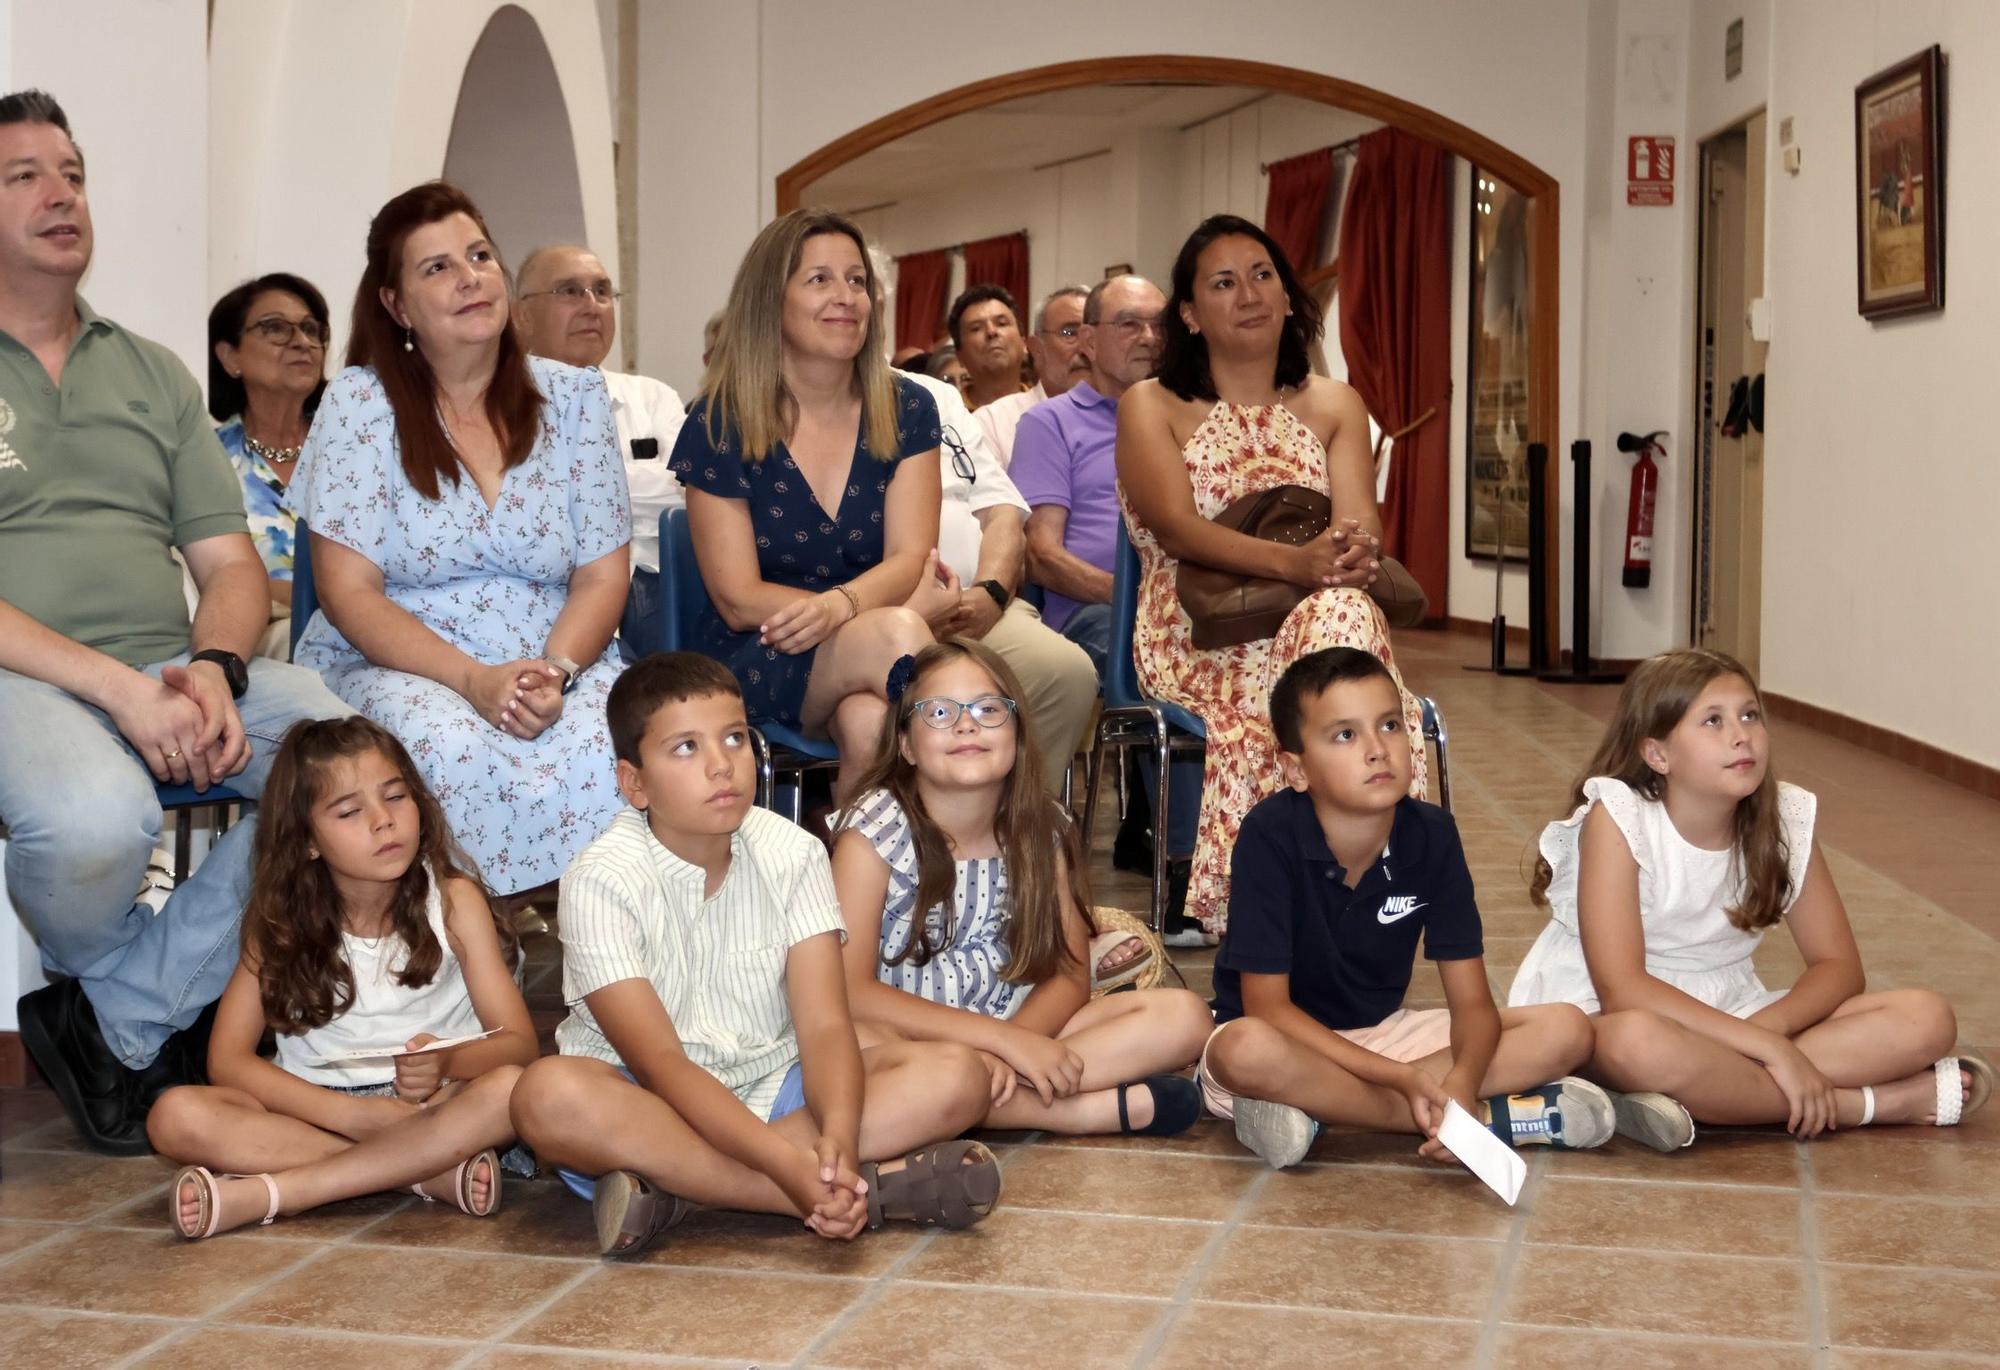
(1899, 187)
(1496, 410)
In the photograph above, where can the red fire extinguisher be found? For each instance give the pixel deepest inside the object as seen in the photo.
(1639, 511)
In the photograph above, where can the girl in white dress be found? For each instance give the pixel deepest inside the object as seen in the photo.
(1681, 850)
(370, 950)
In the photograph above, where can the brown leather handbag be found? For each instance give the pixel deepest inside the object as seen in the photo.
(1228, 608)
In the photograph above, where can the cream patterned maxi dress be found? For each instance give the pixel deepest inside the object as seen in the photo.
(1237, 451)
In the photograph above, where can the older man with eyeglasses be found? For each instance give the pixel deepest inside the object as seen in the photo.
(981, 555)
(566, 308)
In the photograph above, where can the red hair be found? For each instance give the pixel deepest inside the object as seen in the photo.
(513, 404)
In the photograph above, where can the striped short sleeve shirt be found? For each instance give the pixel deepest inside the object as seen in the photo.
(632, 910)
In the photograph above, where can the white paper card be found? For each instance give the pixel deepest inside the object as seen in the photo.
(1484, 1154)
(386, 1053)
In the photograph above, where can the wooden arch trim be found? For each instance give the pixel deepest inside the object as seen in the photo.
(1542, 190)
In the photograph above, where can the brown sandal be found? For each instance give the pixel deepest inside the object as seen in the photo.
(631, 1214)
(951, 1185)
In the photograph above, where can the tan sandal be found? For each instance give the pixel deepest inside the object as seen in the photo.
(461, 1185)
(208, 1198)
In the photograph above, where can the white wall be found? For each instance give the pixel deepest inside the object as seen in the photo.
(511, 147)
(321, 112)
(147, 174)
(1880, 483)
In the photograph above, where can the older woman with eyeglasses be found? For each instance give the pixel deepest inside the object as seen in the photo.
(266, 371)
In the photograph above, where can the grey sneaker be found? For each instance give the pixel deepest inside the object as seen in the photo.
(1653, 1120)
(1569, 1114)
(1277, 1132)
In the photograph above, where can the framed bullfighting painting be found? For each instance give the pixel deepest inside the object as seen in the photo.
(1899, 174)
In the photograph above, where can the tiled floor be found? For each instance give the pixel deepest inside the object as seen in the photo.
(1866, 1249)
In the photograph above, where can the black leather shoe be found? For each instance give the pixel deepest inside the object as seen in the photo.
(60, 1030)
(183, 1060)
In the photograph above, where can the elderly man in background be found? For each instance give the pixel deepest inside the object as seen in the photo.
(566, 308)
(1056, 346)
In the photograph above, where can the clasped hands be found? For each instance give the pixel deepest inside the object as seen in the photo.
(520, 698)
(1344, 555)
(184, 725)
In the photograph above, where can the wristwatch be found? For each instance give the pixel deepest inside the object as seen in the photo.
(569, 669)
(233, 669)
(997, 590)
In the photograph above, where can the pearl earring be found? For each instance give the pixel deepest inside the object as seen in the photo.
(409, 341)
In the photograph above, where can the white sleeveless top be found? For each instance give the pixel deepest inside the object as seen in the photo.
(385, 1014)
(1684, 895)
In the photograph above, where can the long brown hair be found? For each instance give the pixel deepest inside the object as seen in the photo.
(1655, 699)
(293, 922)
(1032, 829)
(745, 383)
(513, 404)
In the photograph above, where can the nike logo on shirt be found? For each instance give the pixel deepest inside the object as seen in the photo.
(1397, 907)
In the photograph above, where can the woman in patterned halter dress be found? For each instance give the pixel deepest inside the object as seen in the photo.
(1235, 410)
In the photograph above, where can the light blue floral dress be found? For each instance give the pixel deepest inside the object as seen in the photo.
(491, 583)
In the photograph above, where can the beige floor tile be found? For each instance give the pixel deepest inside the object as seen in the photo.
(1437, 1202)
(1719, 1156)
(536, 1218)
(1210, 1336)
(762, 1241)
(1559, 1348)
(1069, 1253)
(1209, 1137)
(1096, 1181)
(1847, 1358)
(1931, 1232)
(108, 1270)
(405, 1293)
(16, 1235)
(522, 1358)
(659, 1309)
(259, 1348)
(1909, 1162)
(74, 1187)
(1918, 1310)
(1656, 1292)
(1417, 1276)
(919, 1327)
(38, 1340)
(1702, 1219)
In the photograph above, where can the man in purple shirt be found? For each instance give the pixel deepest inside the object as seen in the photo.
(1065, 468)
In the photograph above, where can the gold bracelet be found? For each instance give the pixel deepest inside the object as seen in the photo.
(852, 602)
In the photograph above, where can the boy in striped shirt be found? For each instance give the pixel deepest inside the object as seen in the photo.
(709, 1059)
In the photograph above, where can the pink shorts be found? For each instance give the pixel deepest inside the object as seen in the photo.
(1408, 1034)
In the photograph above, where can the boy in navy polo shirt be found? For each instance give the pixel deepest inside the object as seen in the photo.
(1333, 881)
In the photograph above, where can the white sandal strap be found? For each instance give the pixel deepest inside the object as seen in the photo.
(1867, 1105)
(1950, 1092)
(271, 1188)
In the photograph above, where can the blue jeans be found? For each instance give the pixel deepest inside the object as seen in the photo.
(791, 1098)
(82, 819)
(639, 630)
(1090, 628)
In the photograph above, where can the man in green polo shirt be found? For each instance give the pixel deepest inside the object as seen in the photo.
(108, 464)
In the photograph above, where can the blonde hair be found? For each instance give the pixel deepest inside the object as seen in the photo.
(1033, 832)
(1655, 699)
(745, 383)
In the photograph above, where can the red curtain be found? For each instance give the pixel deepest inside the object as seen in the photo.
(1395, 329)
(1001, 261)
(1295, 210)
(922, 278)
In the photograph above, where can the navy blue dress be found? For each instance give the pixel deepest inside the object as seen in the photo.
(797, 544)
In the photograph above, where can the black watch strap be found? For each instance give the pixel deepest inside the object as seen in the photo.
(997, 590)
(233, 669)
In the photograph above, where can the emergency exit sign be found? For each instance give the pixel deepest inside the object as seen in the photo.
(1649, 170)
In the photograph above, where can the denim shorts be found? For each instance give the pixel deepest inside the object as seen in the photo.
(791, 1098)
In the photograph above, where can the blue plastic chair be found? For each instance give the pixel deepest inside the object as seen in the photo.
(1131, 719)
(305, 596)
(784, 754)
(184, 799)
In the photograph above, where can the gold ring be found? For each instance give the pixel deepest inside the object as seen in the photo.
(175, 753)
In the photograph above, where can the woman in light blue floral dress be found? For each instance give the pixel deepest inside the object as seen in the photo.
(469, 525)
